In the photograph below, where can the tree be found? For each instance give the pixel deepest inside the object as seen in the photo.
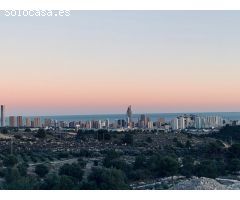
(95, 162)
(27, 130)
(103, 134)
(110, 156)
(10, 161)
(188, 144)
(168, 166)
(66, 183)
(188, 167)
(234, 151)
(41, 133)
(22, 183)
(234, 165)
(22, 168)
(107, 179)
(139, 174)
(214, 149)
(140, 162)
(41, 170)
(107, 136)
(82, 163)
(63, 155)
(118, 163)
(149, 140)
(12, 174)
(229, 132)
(207, 168)
(73, 170)
(4, 131)
(163, 166)
(128, 139)
(51, 182)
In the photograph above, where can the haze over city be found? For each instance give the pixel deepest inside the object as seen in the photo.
(101, 61)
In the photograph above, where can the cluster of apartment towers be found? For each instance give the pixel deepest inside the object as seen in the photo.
(18, 121)
(178, 123)
(198, 122)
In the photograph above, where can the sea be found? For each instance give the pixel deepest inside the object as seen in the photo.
(152, 116)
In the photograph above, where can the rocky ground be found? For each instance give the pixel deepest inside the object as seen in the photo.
(207, 184)
(194, 183)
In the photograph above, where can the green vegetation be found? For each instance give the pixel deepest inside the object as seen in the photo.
(74, 171)
(41, 133)
(128, 139)
(41, 170)
(229, 133)
(106, 179)
(10, 161)
(113, 160)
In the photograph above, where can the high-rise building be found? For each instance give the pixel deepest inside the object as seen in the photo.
(12, 122)
(181, 123)
(160, 122)
(63, 124)
(47, 122)
(32, 123)
(143, 121)
(72, 124)
(107, 123)
(37, 122)
(28, 122)
(120, 123)
(150, 125)
(3, 107)
(174, 124)
(129, 117)
(188, 122)
(99, 126)
(88, 125)
(198, 123)
(19, 121)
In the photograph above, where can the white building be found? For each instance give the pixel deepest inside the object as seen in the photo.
(181, 123)
(174, 124)
(198, 122)
(150, 125)
(208, 122)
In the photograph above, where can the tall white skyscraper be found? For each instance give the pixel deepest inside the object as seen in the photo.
(181, 123)
(174, 124)
(198, 122)
(3, 116)
(99, 124)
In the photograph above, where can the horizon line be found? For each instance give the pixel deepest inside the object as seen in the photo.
(137, 113)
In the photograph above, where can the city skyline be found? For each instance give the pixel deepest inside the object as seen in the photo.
(143, 121)
(96, 62)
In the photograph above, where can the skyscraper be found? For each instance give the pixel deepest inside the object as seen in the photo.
(3, 115)
(47, 122)
(129, 117)
(28, 122)
(19, 121)
(181, 123)
(143, 121)
(198, 122)
(174, 124)
(12, 122)
(37, 122)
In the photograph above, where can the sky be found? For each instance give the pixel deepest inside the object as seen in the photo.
(98, 62)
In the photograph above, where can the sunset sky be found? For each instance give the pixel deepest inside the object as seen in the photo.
(102, 61)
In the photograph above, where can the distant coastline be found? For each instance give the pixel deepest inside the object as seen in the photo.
(153, 116)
